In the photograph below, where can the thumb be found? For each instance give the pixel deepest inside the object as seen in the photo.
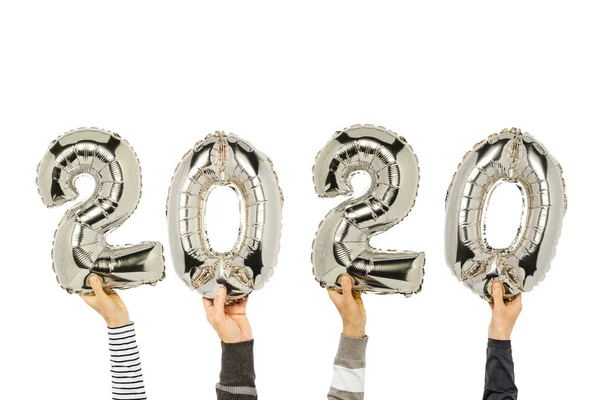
(96, 284)
(498, 293)
(219, 303)
(347, 289)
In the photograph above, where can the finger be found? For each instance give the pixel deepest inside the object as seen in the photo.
(498, 293)
(87, 298)
(518, 301)
(219, 303)
(96, 284)
(333, 294)
(347, 289)
(208, 308)
(244, 303)
(357, 297)
(208, 304)
(335, 297)
(241, 303)
(114, 296)
(237, 307)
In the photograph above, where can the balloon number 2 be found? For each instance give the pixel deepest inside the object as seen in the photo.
(342, 241)
(80, 247)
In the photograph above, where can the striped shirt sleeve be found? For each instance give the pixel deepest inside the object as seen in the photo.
(349, 370)
(126, 369)
(237, 372)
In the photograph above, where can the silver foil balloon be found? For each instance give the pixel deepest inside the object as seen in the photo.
(80, 247)
(342, 242)
(515, 157)
(231, 161)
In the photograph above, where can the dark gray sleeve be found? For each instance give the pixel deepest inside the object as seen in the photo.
(237, 372)
(499, 372)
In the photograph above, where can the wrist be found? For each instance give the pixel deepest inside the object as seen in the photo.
(499, 334)
(354, 331)
(117, 322)
(235, 339)
(227, 340)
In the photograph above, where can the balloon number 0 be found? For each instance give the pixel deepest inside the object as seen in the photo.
(80, 247)
(230, 161)
(341, 244)
(517, 158)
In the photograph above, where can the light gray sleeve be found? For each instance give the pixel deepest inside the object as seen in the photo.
(349, 370)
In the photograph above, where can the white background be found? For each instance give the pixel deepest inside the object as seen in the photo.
(286, 77)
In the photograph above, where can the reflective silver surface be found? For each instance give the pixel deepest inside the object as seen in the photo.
(225, 160)
(516, 157)
(342, 241)
(80, 247)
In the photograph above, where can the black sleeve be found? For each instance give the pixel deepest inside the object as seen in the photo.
(237, 372)
(499, 372)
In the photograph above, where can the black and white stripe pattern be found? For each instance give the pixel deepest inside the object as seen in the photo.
(126, 369)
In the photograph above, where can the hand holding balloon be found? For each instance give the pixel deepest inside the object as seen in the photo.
(504, 313)
(230, 321)
(109, 306)
(351, 308)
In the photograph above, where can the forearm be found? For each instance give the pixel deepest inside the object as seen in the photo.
(349, 370)
(126, 369)
(499, 372)
(237, 372)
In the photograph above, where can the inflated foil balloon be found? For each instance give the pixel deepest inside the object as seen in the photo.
(230, 161)
(80, 247)
(518, 158)
(342, 242)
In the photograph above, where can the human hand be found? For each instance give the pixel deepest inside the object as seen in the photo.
(351, 308)
(109, 306)
(504, 313)
(230, 322)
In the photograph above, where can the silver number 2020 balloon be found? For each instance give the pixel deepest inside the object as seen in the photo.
(515, 157)
(80, 247)
(231, 161)
(342, 241)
